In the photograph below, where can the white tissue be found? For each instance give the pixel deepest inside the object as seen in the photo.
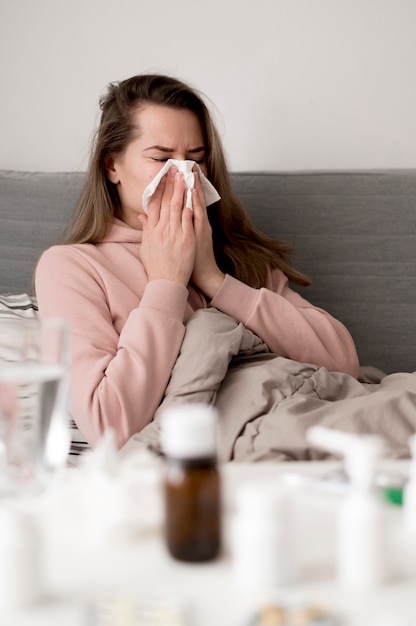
(210, 193)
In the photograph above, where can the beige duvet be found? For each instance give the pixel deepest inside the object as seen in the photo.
(266, 403)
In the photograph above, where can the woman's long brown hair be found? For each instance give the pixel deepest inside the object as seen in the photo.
(241, 250)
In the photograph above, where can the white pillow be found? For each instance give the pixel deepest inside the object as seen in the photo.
(18, 305)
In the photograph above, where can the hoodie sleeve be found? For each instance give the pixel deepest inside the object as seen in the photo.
(117, 380)
(289, 324)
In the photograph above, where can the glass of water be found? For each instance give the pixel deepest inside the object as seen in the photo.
(34, 384)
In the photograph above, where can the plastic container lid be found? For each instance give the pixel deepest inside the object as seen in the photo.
(189, 431)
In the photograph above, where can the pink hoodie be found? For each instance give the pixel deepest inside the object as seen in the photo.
(127, 331)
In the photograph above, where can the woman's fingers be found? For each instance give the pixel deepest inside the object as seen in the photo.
(172, 200)
(199, 190)
(169, 200)
(155, 202)
(177, 202)
(199, 207)
(167, 194)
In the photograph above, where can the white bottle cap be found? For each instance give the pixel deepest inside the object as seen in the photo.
(189, 431)
(361, 452)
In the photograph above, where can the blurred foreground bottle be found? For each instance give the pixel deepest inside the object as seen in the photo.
(263, 540)
(361, 556)
(409, 495)
(20, 558)
(192, 482)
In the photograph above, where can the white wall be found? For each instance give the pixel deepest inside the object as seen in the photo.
(297, 84)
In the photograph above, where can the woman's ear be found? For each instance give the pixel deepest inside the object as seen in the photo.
(111, 169)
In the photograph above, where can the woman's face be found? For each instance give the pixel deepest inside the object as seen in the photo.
(163, 133)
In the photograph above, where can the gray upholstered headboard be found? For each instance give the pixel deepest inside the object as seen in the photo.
(354, 233)
(34, 210)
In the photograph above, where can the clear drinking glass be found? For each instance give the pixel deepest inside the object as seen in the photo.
(34, 383)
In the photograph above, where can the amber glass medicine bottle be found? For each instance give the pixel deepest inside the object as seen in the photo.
(192, 482)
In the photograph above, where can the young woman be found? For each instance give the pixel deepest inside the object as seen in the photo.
(127, 281)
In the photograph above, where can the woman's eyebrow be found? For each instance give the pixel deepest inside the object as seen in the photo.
(160, 148)
(165, 149)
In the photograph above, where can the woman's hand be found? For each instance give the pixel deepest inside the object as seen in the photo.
(206, 274)
(169, 244)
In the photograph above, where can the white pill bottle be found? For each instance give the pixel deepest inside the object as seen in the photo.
(20, 558)
(262, 543)
(360, 558)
